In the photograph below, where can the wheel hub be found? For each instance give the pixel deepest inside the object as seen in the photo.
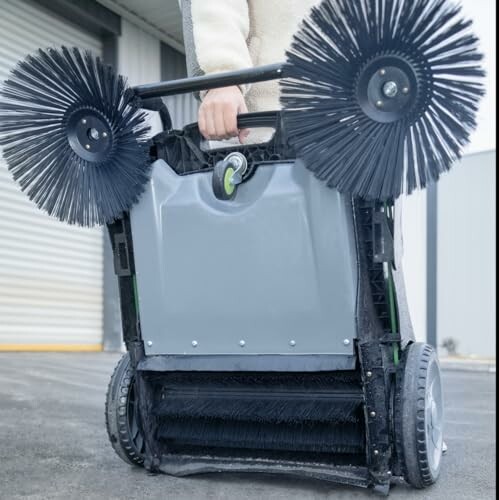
(90, 134)
(388, 88)
(434, 419)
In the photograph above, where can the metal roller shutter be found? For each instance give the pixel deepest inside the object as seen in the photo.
(51, 274)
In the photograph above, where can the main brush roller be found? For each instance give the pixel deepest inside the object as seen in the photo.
(271, 412)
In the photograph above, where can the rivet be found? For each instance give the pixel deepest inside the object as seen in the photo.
(292, 343)
(369, 374)
(149, 343)
(373, 414)
(87, 146)
(379, 104)
(346, 342)
(382, 72)
(242, 343)
(194, 343)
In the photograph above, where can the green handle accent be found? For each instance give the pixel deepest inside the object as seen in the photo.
(228, 186)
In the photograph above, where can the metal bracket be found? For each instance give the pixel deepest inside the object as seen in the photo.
(383, 246)
(240, 163)
(121, 255)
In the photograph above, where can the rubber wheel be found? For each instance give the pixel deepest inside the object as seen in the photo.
(122, 414)
(222, 188)
(419, 415)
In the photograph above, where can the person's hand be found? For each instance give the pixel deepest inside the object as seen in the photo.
(218, 114)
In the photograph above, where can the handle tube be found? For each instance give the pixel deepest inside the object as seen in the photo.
(208, 82)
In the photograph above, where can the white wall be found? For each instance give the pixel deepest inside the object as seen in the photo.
(466, 272)
(483, 14)
(139, 59)
(138, 55)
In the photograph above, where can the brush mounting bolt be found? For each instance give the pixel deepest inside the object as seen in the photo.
(242, 343)
(346, 342)
(149, 343)
(390, 89)
(194, 343)
(292, 343)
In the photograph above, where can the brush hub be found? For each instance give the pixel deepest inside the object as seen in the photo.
(90, 134)
(387, 88)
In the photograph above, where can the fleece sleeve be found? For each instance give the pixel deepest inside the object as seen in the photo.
(215, 36)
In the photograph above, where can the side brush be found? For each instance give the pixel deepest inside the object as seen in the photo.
(382, 94)
(379, 98)
(74, 137)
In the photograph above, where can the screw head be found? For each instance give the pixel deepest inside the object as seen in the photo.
(242, 343)
(369, 374)
(346, 342)
(84, 121)
(390, 89)
(379, 104)
(194, 343)
(87, 146)
(104, 134)
(376, 452)
(149, 343)
(382, 72)
(405, 90)
(373, 414)
(292, 343)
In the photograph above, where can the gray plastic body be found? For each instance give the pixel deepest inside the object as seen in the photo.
(272, 272)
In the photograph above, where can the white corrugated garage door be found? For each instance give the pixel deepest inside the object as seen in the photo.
(51, 274)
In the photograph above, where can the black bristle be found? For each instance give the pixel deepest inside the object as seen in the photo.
(327, 124)
(38, 106)
(223, 433)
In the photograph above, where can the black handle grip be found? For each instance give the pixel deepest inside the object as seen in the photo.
(268, 119)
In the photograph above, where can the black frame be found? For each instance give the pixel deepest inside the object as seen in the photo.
(375, 340)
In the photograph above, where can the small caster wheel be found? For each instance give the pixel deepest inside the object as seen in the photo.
(223, 187)
(419, 415)
(227, 175)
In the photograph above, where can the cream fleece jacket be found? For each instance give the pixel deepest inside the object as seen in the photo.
(228, 35)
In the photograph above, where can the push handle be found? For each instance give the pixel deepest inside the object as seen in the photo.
(198, 83)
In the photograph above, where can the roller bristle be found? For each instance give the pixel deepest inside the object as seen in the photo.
(326, 122)
(37, 103)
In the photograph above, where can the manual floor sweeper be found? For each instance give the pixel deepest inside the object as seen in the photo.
(262, 299)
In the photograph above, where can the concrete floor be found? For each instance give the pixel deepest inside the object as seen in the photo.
(53, 443)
